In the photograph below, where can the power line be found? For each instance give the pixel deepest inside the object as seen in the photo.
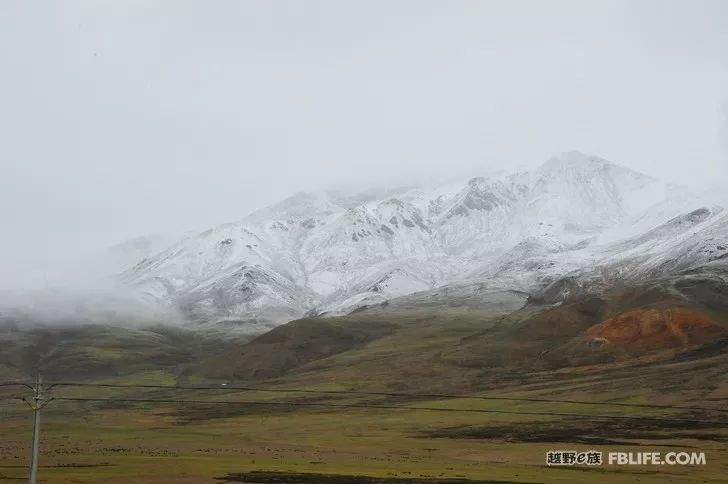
(382, 407)
(386, 394)
(364, 393)
(16, 384)
(370, 406)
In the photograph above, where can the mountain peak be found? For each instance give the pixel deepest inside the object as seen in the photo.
(298, 205)
(573, 159)
(575, 164)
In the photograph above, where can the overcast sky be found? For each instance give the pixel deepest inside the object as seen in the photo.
(128, 117)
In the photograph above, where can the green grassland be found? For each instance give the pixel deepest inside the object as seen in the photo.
(468, 351)
(173, 443)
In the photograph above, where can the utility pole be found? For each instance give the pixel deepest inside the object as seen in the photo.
(36, 405)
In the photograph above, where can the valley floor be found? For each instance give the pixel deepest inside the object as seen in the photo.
(153, 443)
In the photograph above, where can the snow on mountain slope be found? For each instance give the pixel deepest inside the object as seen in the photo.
(697, 239)
(581, 194)
(331, 251)
(362, 240)
(477, 220)
(129, 252)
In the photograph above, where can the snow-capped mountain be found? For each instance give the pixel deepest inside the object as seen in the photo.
(330, 252)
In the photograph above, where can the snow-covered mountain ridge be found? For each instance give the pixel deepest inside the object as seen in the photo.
(332, 252)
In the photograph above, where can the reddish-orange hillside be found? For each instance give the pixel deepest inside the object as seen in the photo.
(655, 329)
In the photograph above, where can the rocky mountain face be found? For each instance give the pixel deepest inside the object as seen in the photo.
(330, 253)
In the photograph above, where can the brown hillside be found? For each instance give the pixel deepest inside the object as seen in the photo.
(653, 329)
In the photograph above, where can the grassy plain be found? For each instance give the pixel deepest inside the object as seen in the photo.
(424, 351)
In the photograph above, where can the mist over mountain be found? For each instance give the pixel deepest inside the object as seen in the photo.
(335, 251)
(331, 252)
